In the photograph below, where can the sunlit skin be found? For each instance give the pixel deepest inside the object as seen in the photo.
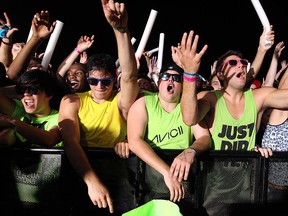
(101, 93)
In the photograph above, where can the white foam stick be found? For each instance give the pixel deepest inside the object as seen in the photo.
(262, 16)
(146, 33)
(160, 52)
(30, 34)
(248, 67)
(155, 78)
(133, 40)
(153, 50)
(51, 45)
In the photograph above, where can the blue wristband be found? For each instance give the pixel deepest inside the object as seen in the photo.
(190, 74)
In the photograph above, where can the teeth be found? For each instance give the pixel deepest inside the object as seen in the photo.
(28, 101)
(73, 82)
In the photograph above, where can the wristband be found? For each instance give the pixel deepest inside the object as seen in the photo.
(193, 149)
(77, 50)
(190, 74)
(8, 44)
(190, 79)
(122, 29)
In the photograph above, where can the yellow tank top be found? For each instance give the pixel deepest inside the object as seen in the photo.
(101, 125)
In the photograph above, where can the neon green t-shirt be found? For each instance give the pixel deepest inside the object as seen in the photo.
(44, 123)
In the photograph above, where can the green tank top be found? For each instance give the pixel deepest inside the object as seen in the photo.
(234, 134)
(165, 130)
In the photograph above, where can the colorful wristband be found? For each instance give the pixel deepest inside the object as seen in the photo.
(190, 79)
(78, 51)
(190, 74)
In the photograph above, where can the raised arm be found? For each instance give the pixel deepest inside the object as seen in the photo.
(6, 56)
(42, 29)
(190, 62)
(83, 44)
(272, 71)
(117, 17)
(260, 54)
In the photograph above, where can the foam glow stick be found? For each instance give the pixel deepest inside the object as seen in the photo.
(51, 45)
(160, 52)
(153, 50)
(133, 40)
(146, 33)
(262, 16)
(30, 34)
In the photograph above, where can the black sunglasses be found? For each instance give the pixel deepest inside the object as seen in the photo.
(34, 90)
(175, 77)
(94, 81)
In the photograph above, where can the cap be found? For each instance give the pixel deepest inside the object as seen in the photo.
(172, 66)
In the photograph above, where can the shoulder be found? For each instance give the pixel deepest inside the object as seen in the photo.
(70, 98)
(263, 91)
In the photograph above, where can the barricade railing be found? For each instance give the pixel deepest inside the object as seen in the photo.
(33, 177)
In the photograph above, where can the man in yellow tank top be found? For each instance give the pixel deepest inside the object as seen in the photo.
(97, 118)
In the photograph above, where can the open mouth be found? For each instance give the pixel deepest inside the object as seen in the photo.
(73, 83)
(169, 88)
(29, 102)
(239, 74)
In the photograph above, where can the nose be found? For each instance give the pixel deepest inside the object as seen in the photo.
(171, 79)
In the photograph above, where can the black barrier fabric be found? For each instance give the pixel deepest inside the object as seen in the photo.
(44, 183)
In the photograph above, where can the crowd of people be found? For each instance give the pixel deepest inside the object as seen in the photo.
(90, 102)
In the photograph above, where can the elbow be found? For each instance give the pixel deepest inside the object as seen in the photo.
(189, 122)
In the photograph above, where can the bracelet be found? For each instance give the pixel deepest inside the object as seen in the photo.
(194, 150)
(190, 79)
(190, 74)
(8, 44)
(122, 29)
(77, 50)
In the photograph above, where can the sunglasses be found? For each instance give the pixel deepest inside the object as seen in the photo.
(234, 63)
(94, 81)
(175, 77)
(34, 90)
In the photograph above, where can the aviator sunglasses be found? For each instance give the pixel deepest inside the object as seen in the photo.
(235, 62)
(175, 77)
(94, 81)
(34, 90)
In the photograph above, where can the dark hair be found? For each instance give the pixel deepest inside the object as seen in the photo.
(221, 59)
(143, 76)
(101, 61)
(172, 66)
(38, 77)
